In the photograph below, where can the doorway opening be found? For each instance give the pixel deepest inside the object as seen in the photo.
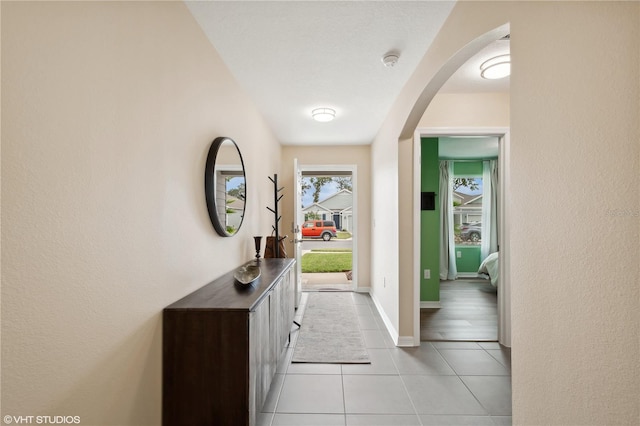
(463, 305)
(326, 219)
(460, 301)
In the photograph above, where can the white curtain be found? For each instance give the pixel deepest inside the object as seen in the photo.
(489, 243)
(448, 269)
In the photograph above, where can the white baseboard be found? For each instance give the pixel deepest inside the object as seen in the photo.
(385, 319)
(468, 275)
(406, 342)
(400, 341)
(430, 305)
(363, 290)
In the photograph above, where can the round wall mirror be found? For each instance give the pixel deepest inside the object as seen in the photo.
(225, 186)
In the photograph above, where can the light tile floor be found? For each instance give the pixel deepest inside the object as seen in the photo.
(438, 383)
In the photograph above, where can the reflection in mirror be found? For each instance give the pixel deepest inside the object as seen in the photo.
(224, 184)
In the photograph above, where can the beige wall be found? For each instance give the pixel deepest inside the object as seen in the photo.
(467, 110)
(385, 289)
(406, 288)
(360, 156)
(108, 113)
(574, 142)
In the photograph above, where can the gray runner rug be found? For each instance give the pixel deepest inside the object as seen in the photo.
(330, 332)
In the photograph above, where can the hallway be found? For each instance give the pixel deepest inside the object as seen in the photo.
(461, 383)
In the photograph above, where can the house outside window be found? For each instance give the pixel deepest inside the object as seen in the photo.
(467, 210)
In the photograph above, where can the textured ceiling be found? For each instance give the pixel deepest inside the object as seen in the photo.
(292, 57)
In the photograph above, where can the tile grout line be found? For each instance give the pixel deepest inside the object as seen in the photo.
(404, 385)
(462, 381)
(344, 395)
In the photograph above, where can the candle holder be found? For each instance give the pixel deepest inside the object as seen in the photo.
(257, 241)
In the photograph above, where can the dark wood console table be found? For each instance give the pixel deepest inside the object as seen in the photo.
(221, 345)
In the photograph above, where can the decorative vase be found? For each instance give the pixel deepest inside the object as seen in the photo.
(257, 241)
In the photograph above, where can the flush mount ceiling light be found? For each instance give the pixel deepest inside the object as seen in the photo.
(496, 67)
(323, 114)
(390, 59)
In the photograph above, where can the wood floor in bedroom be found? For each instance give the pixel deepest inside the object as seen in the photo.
(469, 312)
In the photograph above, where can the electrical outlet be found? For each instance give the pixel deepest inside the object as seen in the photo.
(458, 254)
(427, 274)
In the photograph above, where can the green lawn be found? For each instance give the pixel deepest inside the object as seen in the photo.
(326, 262)
(343, 235)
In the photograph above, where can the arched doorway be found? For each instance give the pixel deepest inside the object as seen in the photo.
(409, 131)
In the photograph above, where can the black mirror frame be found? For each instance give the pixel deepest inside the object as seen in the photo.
(209, 185)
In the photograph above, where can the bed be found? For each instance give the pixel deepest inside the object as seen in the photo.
(489, 267)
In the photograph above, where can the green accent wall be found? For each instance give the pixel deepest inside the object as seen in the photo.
(430, 222)
(469, 260)
(468, 168)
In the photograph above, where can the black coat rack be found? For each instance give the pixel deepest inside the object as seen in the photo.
(276, 200)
